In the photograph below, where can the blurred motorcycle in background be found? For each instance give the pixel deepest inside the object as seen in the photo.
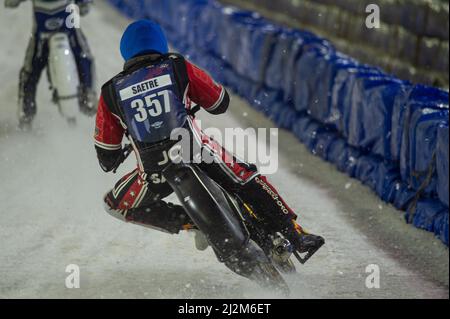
(57, 44)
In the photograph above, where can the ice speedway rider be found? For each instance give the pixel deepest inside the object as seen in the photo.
(50, 17)
(169, 84)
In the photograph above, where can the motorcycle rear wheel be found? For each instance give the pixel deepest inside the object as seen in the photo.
(253, 264)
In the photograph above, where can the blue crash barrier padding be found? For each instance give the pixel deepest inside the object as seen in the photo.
(323, 145)
(288, 82)
(195, 30)
(313, 61)
(322, 97)
(348, 161)
(441, 225)
(423, 146)
(279, 60)
(442, 163)
(213, 22)
(186, 21)
(228, 45)
(264, 100)
(336, 149)
(341, 95)
(426, 108)
(366, 171)
(256, 45)
(432, 216)
(285, 53)
(370, 113)
(399, 118)
(387, 181)
(137, 11)
(389, 134)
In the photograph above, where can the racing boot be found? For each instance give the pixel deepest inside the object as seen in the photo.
(302, 241)
(25, 123)
(87, 100)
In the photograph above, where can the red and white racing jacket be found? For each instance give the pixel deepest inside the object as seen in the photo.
(198, 87)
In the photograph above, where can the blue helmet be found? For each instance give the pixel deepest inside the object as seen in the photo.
(143, 36)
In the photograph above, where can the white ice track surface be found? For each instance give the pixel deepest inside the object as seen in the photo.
(51, 211)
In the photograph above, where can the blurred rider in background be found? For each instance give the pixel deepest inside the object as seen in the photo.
(50, 16)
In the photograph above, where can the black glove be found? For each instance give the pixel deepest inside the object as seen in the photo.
(125, 152)
(110, 160)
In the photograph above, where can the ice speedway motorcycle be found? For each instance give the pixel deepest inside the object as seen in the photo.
(64, 79)
(246, 244)
(56, 36)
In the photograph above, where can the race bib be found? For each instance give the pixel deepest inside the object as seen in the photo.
(151, 105)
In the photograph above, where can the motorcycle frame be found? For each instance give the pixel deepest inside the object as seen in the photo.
(207, 205)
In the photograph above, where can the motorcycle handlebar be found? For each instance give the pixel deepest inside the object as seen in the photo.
(194, 110)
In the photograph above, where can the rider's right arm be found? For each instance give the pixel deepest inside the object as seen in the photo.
(108, 137)
(204, 91)
(13, 3)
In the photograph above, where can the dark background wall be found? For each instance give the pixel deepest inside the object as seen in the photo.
(412, 43)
